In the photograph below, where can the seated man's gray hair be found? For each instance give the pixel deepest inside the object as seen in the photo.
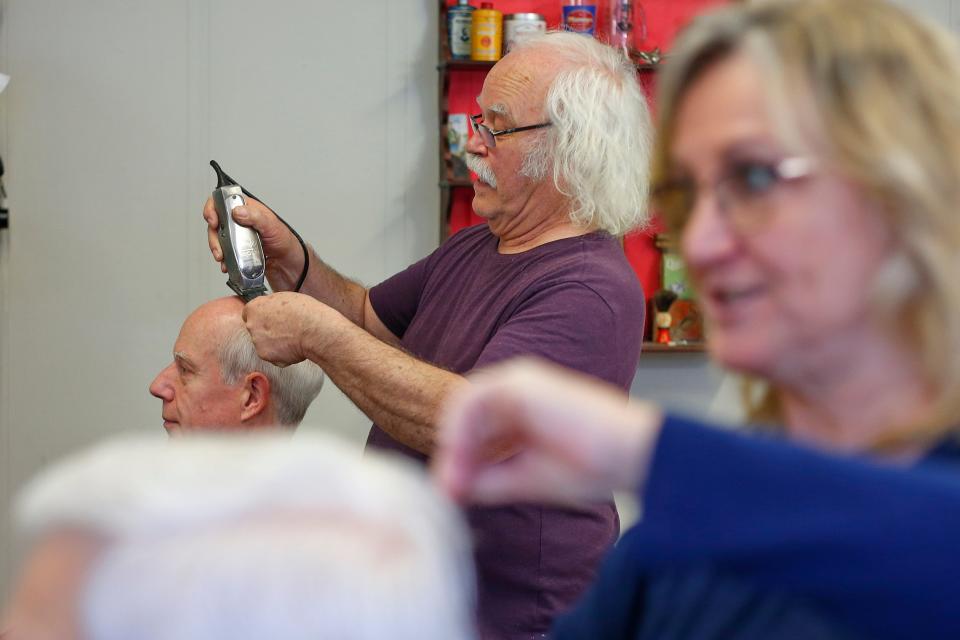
(293, 388)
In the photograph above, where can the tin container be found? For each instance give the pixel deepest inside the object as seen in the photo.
(579, 17)
(459, 21)
(486, 34)
(517, 26)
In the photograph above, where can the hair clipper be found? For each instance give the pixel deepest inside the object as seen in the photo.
(241, 247)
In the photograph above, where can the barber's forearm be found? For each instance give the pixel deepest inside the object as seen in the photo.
(323, 283)
(400, 393)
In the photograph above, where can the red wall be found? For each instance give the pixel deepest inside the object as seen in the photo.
(664, 19)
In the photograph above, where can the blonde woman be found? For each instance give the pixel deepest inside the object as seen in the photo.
(809, 151)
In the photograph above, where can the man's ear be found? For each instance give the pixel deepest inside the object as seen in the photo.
(256, 396)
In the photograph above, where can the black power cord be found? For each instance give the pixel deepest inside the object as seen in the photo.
(303, 245)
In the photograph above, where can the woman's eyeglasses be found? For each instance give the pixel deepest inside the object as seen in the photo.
(744, 192)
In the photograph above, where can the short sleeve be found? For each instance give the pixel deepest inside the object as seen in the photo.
(396, 299)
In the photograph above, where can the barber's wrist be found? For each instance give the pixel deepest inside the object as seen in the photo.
(285, 266)
(635, 457)
(325, 329)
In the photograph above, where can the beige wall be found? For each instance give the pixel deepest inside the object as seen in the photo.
(324, 109)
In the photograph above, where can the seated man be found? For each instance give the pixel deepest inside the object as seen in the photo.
(217, 381)
(239, 537)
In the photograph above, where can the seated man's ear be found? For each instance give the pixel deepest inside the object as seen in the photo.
(256, 396)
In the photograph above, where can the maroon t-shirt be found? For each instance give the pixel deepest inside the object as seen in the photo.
(573, 301)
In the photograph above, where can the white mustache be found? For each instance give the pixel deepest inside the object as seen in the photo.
(482, 169)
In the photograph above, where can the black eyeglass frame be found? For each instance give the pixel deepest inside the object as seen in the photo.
(477, 127)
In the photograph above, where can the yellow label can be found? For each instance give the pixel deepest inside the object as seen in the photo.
(486, 33)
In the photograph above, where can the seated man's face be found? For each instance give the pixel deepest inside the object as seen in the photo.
(193, 392)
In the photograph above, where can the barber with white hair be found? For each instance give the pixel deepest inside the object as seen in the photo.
(560, 148)
(246, 538)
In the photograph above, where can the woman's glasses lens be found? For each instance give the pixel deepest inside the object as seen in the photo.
(752, 179)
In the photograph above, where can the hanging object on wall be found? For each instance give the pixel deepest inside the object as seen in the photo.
(4, 211)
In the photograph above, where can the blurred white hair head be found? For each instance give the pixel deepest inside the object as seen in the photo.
(256, 537)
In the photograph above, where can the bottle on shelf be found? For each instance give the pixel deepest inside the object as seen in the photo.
(459, 22)
(628, 24)
(519, 26)
(486, 34)
(580, 16)
(621, 25)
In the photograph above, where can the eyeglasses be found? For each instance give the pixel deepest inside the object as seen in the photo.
(745, 193)
(489, 138)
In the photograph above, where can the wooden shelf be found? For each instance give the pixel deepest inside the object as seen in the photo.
(466, 65)
(656, 347)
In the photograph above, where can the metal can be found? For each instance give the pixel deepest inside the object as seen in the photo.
(486, 33)
(517, 26)
(579, 17)
(459, 21)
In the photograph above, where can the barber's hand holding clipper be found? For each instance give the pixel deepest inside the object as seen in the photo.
(280, 246)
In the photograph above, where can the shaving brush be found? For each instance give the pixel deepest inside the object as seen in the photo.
(662, 300)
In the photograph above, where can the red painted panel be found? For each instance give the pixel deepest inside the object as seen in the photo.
(461, 213)
(664, 19)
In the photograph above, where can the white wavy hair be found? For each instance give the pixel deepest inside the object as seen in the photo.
(257, 536)
(600, 143)
(292, 388)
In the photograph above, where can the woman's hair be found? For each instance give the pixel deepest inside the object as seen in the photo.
(879, 90)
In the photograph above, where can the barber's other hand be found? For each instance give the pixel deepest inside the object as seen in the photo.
(283, 324)
(578, 439)
(279, 245)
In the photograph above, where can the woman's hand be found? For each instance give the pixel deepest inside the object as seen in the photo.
(576, 439)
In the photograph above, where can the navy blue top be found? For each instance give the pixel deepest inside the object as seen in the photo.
(747, 537)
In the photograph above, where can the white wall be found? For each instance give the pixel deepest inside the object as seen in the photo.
(327, 110)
